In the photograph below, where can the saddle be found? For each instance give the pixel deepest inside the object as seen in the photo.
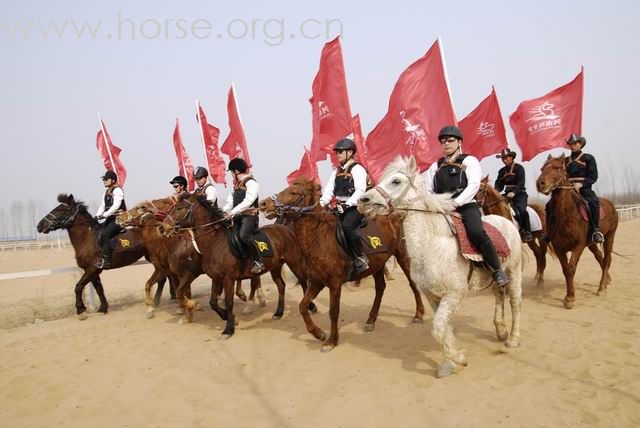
(260, 240)
(584, 211)
(124, 240)
(534, 219)
(468, 250)
(370, 235)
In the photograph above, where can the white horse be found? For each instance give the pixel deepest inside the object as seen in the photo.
(437, 267)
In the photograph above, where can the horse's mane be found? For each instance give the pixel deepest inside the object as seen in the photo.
(65, 198)
(211, 207)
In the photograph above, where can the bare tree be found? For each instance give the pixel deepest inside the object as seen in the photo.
(16, 210)
(4, 226)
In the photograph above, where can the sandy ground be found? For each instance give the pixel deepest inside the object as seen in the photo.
(575, 367)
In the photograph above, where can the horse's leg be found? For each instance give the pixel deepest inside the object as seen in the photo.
(309, 295)
(256, 290)
(104, 305)
(381, 284)
(185, 289)
(302, 280)
(216, 290)
(539, 254)
(239, 291)
(442, 331)
(498, 315)
(276, 275)
(156, 298)
(515, 299)
(605, 279)
(230, 328)
(87, 276)
(405, 266)
(335, 290)
(569, 270)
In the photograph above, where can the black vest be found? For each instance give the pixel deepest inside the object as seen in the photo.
(509, 179)
(108, 202)
(240, 191)
(576, 167)
(344, 186)
(450, 177)
(201, 191)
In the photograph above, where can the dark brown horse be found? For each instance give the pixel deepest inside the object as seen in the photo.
(567, 229)
(492, 202)
(210, 229)
(174, 257)
(325, 262)
(73, 216)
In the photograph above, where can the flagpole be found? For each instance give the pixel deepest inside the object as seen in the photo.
(446, 77)
(182, 170)
(206, 158)
(106, 143)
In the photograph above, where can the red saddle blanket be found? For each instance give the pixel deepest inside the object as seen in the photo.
(469, 251)
(584, 211)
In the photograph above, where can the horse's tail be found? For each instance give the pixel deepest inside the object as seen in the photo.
(624, 256)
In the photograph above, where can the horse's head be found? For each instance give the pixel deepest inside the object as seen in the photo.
(553, 174)
(146, 212)
(481, 196)
(62, 216)
(301, 196)
(181, 215)
(400, 184)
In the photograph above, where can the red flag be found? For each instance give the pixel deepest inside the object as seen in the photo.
(110, 154)
(209, 135)
(308, 168)
(185, 166)
(483, 129)
(420, 105)
(544, 123)
(358, 138)
(235, 145)
(331, 114)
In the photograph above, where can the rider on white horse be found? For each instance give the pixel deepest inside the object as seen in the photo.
(460, 174)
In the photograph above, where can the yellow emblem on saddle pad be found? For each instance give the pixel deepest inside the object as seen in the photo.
(374, 241)
(124, 243)
(262, 246)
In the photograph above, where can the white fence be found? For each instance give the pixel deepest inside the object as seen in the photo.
(60, 244)
(628, 212)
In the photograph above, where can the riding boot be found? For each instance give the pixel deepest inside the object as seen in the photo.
(104, 262)
(594, 222)
(361, 263)
(491, 258)
(257, 266)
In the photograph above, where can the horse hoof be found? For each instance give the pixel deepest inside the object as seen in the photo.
(199, 307)
(568, 304)
(502, 336)
(224, 336)
(601, 293)
(182, 321)
(417, 320)
(369, 327)
(447, 368)
(83, 316)
(513, 342)
(327, 348)
(461, 360)
(321, 336)
(150, 314)
(276, 317)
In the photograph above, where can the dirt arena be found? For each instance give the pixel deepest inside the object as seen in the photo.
(574, 367)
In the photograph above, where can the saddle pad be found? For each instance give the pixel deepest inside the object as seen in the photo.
(372, 238)
(260, 240)
(584, 211)
(534, 219)
(469, 251)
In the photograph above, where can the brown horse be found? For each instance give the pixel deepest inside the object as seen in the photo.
(568, 230)
(73, 216)
(492, 202)
(210, 228)
(325, 262)
(175, 257)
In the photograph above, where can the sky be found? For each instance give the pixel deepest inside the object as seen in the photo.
(149, 62)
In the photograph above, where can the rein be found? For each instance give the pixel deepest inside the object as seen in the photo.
(54, 223)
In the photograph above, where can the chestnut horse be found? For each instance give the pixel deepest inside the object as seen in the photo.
(210, 228)
(73, 216)
(325, 262)
(174, 257)
(492, 202)
(568, 230)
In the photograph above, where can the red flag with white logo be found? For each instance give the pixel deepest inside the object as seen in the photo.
(209, 135)
(235, 145)
(483, 129)
(110, 154)
(420, 105)
(308, 169)
(330, 110)
(185, 166)
(545, 123)
(358, 138)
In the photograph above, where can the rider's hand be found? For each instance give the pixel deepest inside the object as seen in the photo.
(341, 207)
(577, 186)
(98, 218)
(510, 195)
(228, 216)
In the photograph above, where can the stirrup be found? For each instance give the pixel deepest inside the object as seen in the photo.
(362, 263)
(103, 263)
(597, 236)
(526, 236)
(257, 267)
(501, 278)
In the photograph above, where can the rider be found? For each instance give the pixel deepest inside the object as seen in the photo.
(582, 171)
(112, 205)
(511, 180)
(204, 186)
(244, 197)
(180, 185)
(460, 174)
(348, 182)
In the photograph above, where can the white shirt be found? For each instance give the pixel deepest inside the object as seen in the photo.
(359, 175)
(210, 192)
(118, 197)
(249, 199)
(474, 176)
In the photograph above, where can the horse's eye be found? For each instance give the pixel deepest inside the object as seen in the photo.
(396, 181)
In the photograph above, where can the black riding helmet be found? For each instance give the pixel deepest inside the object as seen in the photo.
(345, 144)
(237, 164)
(180, 180)
(450, 131)
(200, 172)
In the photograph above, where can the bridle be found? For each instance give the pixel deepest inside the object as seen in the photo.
(55, 223)
(563, 179)
(294, 207)
(137, 221)
(188, 218)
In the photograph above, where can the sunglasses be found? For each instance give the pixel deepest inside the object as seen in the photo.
(448, 140)
(175, 186)
(340, 151)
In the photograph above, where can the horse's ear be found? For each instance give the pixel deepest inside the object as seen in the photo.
(549, 157)
(485, 179)
(411, 163)
(562, 156)
(71, 199)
